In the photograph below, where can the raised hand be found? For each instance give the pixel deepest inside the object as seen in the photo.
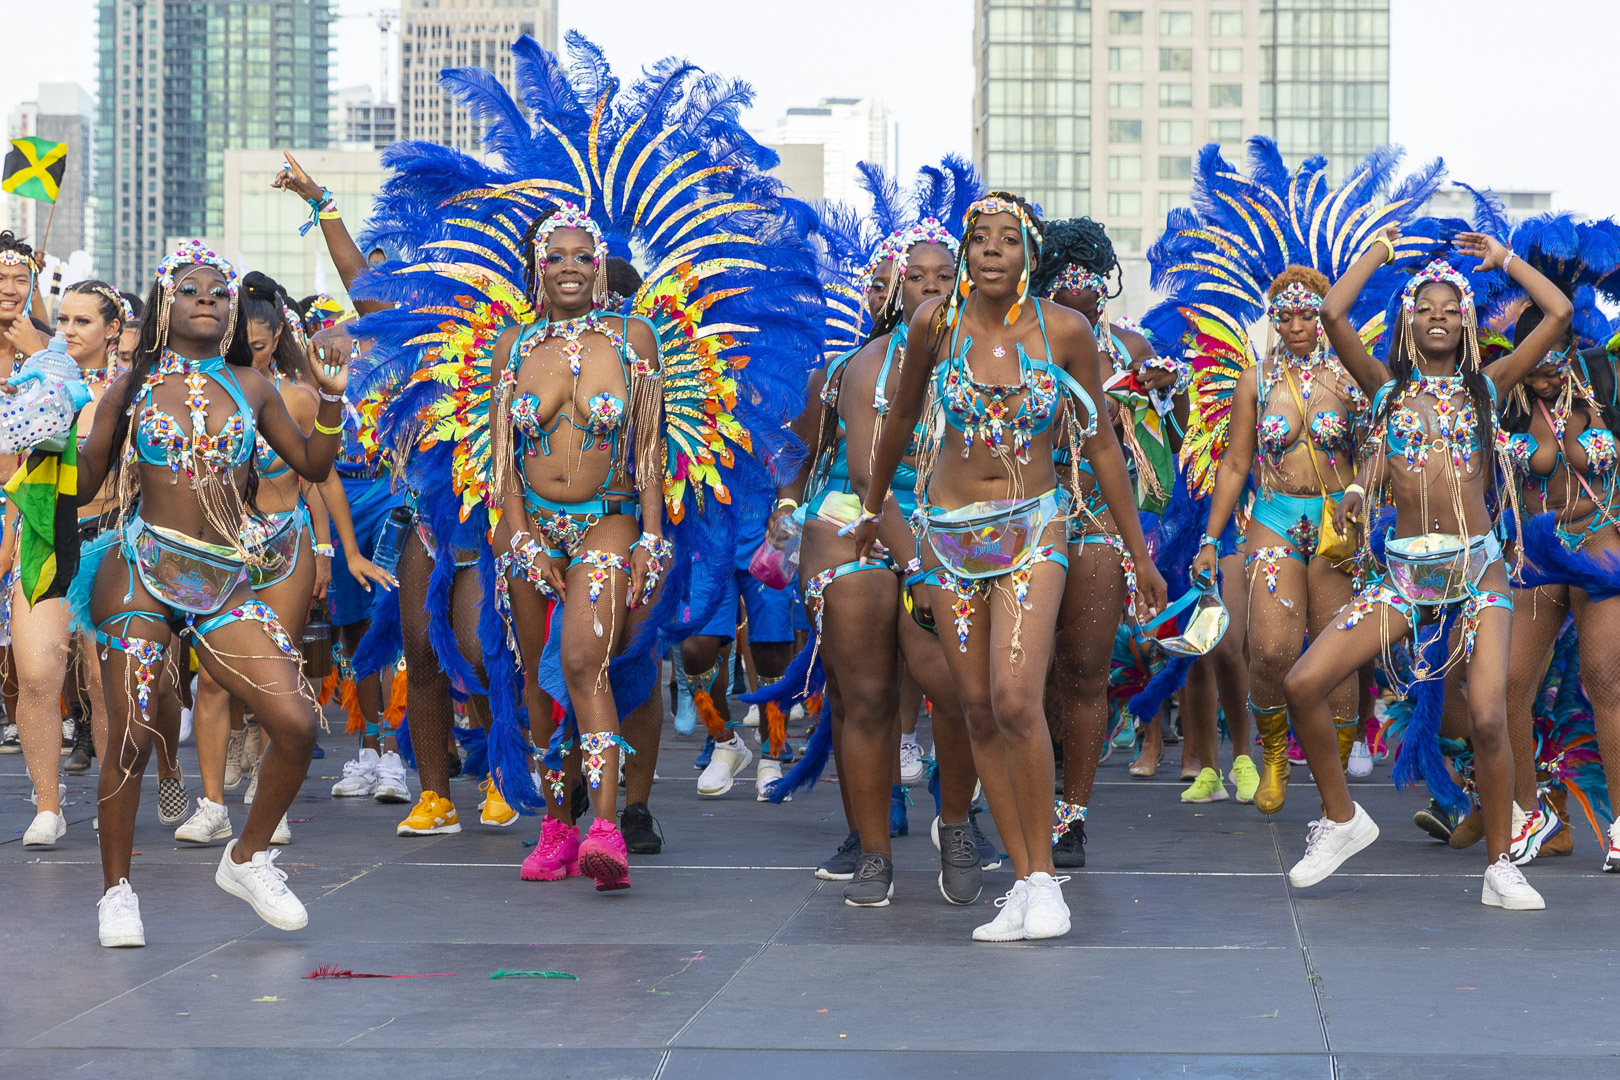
(1491, 252)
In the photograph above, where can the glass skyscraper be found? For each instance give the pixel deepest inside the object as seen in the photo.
(182, 81)
(1099, 107)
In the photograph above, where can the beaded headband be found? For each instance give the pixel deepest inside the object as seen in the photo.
(570, 216)
(194, 253)
(296, 325)
(898, 244)
(1294, 298)
(1439, 270)
(13, 257)
(995, 204)
(1559, 361)
(1075, 278)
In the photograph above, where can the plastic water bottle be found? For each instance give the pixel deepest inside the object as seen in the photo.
(41, 413)
(391, 540)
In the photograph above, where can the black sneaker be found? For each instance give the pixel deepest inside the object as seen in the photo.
(1435, 820)
(989, 856)
(84, 749)
(640, 830)
(873, 883)
(69, 731)
(579, 800)
(960, 879)
(453, 766)
(9, 743)
(841, 867)
(1069, 853)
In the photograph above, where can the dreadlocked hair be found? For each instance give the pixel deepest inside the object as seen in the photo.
(1308, 276)
(1402, 362)
(264, 301)
(148, 351)
(1078, 242)
(945, 318)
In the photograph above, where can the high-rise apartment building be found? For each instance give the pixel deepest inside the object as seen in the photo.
(182, 81)
(359, 122)
(1100, 107)
(849, 131)
(64, 113)
(439, 34)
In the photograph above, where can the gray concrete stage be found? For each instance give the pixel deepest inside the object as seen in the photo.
(1190, 956)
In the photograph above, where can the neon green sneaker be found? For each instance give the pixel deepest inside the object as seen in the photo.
(1245, 777)
(1206, 787)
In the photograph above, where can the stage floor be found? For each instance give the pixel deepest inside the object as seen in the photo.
(1190, 955)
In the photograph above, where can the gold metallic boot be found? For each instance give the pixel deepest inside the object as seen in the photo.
(1272, 724)
(1348, 731)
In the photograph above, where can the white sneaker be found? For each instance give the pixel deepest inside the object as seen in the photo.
(1360, 759)
(1328, 844)
(233, 759)
(209, 823)
(253, 783)
(1045, 913)
(185, 727)
(1008, 925)
(46, 830)
(359, 776)
(911, 762)
(1611, 858)
(766, 777)
(391, 787)
(1505, 887)
(751, 718)
(730, 758)
(283, 832)
(262, 884)
(796, 714)
(119, 913)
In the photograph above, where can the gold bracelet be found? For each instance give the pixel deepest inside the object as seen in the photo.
(1388, 247)
(324, 430)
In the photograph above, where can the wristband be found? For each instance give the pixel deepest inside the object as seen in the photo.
(866, 515)
(324, 549)
(317, 210)
(1389, 248)
(324, 430)
(1357, 488)
(1507, 260)
(1209, 541)
(335, 399)
(913, 566)
(787, 504)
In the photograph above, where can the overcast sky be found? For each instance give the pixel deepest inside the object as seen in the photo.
(1510, 101)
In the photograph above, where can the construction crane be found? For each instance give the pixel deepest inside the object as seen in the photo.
(384, 18)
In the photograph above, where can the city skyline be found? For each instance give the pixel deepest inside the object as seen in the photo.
(1488, 129)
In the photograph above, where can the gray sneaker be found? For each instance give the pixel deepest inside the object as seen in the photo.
(841, 867)
(873, 883)
(960, 879)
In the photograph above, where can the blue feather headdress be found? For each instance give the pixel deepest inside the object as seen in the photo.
(672, 182)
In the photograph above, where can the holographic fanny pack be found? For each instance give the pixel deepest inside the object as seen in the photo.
(988, 539)
(181, 571)
(1439, 568)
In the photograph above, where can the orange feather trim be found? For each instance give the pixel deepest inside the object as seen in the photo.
(704, 704)
(775, 728)
(329, 686)
(349, 698)
(394, 715)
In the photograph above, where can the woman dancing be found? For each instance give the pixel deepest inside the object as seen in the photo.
(292, 540)
(1298, 407)
(995, 554)
(1433, 432)
(181, 443)
(92, 317)
(867, 639)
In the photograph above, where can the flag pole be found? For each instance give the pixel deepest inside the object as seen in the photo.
(48, 222)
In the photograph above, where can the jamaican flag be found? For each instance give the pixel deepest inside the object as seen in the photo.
(44, 490)
(34, 169)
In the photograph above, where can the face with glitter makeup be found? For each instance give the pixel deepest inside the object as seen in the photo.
(996, 255)
(568, 272)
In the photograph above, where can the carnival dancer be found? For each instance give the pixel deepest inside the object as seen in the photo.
(1561, 424)
(868, 639)
(91, 318)
(995, 517)
(1215, 289)
(584, 438)
(181, 559)
(291, 539)
(1434, 430)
